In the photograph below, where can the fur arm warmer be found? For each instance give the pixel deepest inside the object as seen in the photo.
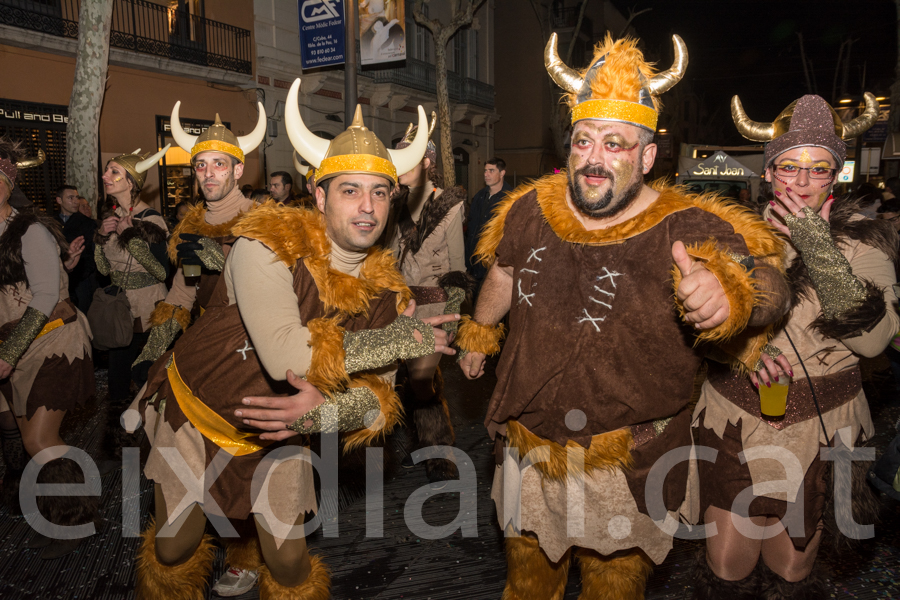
(25, 332)
(477, 337)
(140, 250)
(370, 408)
(101, 261)
(337, 353)
(166, 321)
(737, 283)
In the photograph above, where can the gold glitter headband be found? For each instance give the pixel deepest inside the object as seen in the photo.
(616, 110)
(356, 163)
(219, 146)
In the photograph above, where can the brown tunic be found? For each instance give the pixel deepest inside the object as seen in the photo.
(217, 362)
(594, 329)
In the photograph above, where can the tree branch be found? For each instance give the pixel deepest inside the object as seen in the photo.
(576, 31)
(631, 16)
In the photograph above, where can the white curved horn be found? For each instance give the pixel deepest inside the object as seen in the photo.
(300, 167)
(307, 144)
(406, 159)
(149, 162)
(185, 140)
(138, 151)
(249, 142)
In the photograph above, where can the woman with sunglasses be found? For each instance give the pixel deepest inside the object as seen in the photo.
(768, 505)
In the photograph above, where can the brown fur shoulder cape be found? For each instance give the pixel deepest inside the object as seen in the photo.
(846, 225)
(195, 222)
(740, 287)
(412, 234)
(299, 234)
(140, 229)
(12, 265)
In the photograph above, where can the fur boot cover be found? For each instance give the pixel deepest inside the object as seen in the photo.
(66, 510)
(432, 419)
(14, 458)
(774, 587)
(709, 587)
(187, 581)
(529, 573)
(316, 587)
(620, 576)
(243, 553)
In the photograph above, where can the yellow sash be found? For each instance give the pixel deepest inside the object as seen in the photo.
(209, 422)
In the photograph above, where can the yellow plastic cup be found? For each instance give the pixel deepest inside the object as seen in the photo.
(190, 271)
(773, 400)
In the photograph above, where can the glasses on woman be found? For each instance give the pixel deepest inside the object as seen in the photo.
(787, 170)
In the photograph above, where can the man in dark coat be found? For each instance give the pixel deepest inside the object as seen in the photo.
(480, 212)
(83, 278)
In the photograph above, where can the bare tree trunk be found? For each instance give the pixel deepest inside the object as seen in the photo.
(448, 165)
(442, 34)
(83, 130)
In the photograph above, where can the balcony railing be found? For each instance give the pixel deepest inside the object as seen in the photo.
(420, 75)
(144, 27)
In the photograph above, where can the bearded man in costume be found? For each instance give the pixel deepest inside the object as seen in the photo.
(428, 242)
(302, 292)
(596, 377)
(202, 240)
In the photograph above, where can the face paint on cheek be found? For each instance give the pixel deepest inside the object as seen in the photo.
(624, 172)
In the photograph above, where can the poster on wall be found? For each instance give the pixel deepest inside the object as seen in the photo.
(321, 32)
(382, 31)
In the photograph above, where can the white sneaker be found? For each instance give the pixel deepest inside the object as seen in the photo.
(235, 582)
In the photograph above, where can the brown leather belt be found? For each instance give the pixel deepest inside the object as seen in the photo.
(428, 295)
(832, 391)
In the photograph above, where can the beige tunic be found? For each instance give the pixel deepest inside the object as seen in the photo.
(142, 300)
(71, 341)
(821, 356)
(442, 252)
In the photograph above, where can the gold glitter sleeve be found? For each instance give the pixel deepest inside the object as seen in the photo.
(101, 261)
(354, 409)
(158, 341)
(25, 331)
(838, 288)
(455, 298)
(370, 408)
(374, 348)
(212, 256)
(772, 351)
(140, 250)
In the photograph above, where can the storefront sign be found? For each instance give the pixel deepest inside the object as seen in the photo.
(44, 117)
(721, 165)
(878, 133)
(321, 32)
(191, 127)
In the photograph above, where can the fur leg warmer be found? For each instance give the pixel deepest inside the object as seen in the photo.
(243, 553)
(622, 576)
(187, 581)
(707, 586)
(66, 510)
(316, 587)
(432, 419)
(529, 573)
(774, 587)
(14, 458)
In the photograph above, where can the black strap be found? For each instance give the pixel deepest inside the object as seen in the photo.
(811, 388)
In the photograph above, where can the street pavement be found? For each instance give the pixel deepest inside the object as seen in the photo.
(401, 562)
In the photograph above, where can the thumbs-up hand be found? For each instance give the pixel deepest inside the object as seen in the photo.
(701, 294)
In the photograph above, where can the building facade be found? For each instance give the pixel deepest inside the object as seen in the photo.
(388, 93)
